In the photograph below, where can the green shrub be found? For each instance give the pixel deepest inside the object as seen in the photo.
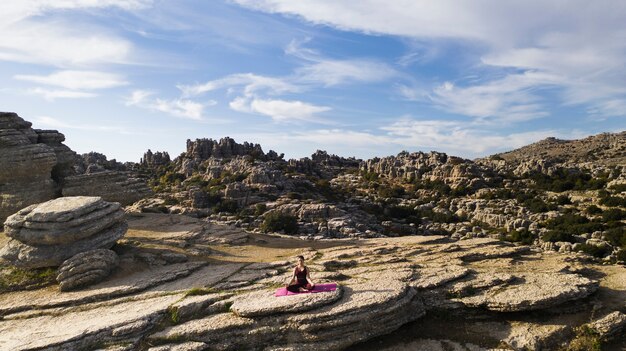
(613, 214)
(226, 206)
(276, 221)
(593, 250)
(616, 236)
(558, 235)
(593, 210)
(537, 205)
(521, 236)
(612, 201)
(563, 200)
(393, 191)
(618, 188)
(621, 255)
(260, 209)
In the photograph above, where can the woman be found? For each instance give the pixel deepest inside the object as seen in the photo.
(301, 279)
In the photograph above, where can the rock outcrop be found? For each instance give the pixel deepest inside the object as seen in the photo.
(25, 165)
(86, 268)
(434, 166)
(46, 234)
(110, 185)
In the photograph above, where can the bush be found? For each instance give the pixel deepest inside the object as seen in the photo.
(522, 236)
(593, 210)
(616, 236)
(260, 209)
(612, 201)
(621, 255)
(613, 214)
(563, 200)
(593, 250)
(393, 191)
(537, 205)
(558, 235)
(276, 221)
(226, 206)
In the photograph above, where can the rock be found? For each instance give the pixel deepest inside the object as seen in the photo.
(264, 303)
(46, 234)
(428, 278)
(63, 220)
(86, 268)
(110, 185)
(25, 166)
(533, 292)
(28, 256)
(609, 325)
(186, 346)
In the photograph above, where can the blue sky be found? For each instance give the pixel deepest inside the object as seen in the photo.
(367, 78)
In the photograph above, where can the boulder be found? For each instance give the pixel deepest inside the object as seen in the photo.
(86, 268)
(533, 291)
(610, 325)
(46, 234)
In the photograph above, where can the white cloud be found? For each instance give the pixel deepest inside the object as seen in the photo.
(183, 108)
(52, 95)
(279, 110)
(329, 72)
(458, 138)
(88, 80)
(579, 42)
(250, 83)
(50, 122)
(60, 42)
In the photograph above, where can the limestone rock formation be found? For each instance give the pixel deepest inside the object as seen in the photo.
(610, 325)
(534, 291)
(86, 268)
(110, 185)
(46, 234)
(155, 159)
(434, 166)
(25, 165)
(264, 303)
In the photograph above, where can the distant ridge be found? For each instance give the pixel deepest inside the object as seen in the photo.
(604, 149)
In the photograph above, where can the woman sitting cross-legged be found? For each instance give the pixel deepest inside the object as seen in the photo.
(301, 279)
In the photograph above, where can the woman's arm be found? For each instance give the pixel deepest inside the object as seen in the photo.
(308, 276)
(293, 276)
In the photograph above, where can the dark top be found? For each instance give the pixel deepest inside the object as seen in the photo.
(301, 275)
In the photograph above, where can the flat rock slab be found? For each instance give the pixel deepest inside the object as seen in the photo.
(432, 277)
(72, 327)
(357, 298)
(264, 303)
(208, 328)
(534, 291)
(114, 287)
(62, 209)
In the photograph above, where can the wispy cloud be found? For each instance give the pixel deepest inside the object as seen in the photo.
(249, 82)
(584, 47)
(69, 79)
(280, 110)
(53, 94)
(329, 72)
(28, 35)
(182, 108)
(50, 122)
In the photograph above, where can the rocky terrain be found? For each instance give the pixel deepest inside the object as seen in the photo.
(185, 284)
(523, 250)
(36, 166)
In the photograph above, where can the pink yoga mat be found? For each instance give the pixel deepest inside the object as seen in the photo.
(316, 289)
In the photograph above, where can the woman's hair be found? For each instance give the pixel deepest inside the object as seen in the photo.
(301, 257)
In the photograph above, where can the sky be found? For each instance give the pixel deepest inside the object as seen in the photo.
(355, 78)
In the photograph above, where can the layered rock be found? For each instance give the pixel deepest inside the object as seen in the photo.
(110, 185)
(25, 166)
(86, 268)
(45, 235)
(155, 159)
(533, 291)
(434, 166)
